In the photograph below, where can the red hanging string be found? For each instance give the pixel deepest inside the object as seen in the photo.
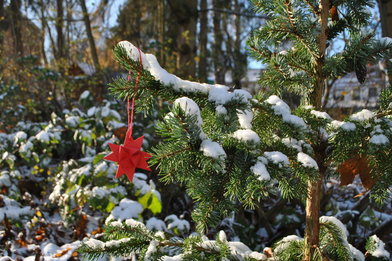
(131, 106)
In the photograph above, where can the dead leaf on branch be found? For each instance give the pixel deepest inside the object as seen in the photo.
(356, 165)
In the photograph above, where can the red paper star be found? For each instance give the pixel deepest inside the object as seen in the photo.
(129, 156)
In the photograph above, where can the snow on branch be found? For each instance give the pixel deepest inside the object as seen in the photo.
(217, 93)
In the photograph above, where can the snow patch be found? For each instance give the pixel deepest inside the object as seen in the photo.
(245, 118)
(277, 157)
(212, 149)
(247, 136)
(363, 115)
(379, 248)
(379, 139)
(260, 170)
(307, 161)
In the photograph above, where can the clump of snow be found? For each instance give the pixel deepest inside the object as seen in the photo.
(84, 94)
(281, 108)
(348, 126)
(222, 236)
(277, 157)
(43, 136)
(173, 258)
(20, 136)
(321, 114)
(212, 149)
(284, 242)
(363, 115)
(293, 143)
(245, 118)
(219, 94)
(336, 124)
(379, 139)
(220, 109)
(12, 209)
(335, 221)
(26, 148)
(99, 245)
(72, 121)
(175, 222)
(156, 224)
(247, 136)
(357, 255)
(139, 181)
(307, 161)
(5, 179)
(260, 170)
(190, 108)
(127, 209)
(379, 250)
(134, 223)
(152, 248)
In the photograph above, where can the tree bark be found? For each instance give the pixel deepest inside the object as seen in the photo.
(203, 42)
(183, 30)
(59, 24)
(219, 63)
(43, 29)
(90, 36)
(312, 230)
(2, 31)
(240, 61)
(16, 19)
(385, 7)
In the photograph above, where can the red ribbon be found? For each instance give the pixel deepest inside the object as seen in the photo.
(131, 107)
(129, 156)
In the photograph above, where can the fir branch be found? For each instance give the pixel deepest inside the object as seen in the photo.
(172, 153)
(290, 13)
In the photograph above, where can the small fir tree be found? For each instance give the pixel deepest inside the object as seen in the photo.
(228, 147)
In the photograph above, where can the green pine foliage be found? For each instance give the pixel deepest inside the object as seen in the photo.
(229, 149)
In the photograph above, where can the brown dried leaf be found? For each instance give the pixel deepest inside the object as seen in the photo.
(62, 252)
(354, 166)
(347, 171)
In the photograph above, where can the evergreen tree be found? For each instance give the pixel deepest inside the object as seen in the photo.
(229, 148)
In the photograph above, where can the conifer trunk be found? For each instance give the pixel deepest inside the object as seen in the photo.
(312, 230)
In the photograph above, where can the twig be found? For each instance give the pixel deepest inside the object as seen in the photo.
(233, 12)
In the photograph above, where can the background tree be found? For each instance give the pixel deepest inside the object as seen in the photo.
(236, 145)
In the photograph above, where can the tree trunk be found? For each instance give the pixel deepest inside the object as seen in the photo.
(59, 23)
(43, 28)
(219, 62)
(203, 41)
(183, 30)
(240, 62)
(90, 36)
(161, 31)
(2, 31)
(385, 7)
(312, 230)
(16, 19)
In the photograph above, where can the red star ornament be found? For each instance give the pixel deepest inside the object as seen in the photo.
(129, 156)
